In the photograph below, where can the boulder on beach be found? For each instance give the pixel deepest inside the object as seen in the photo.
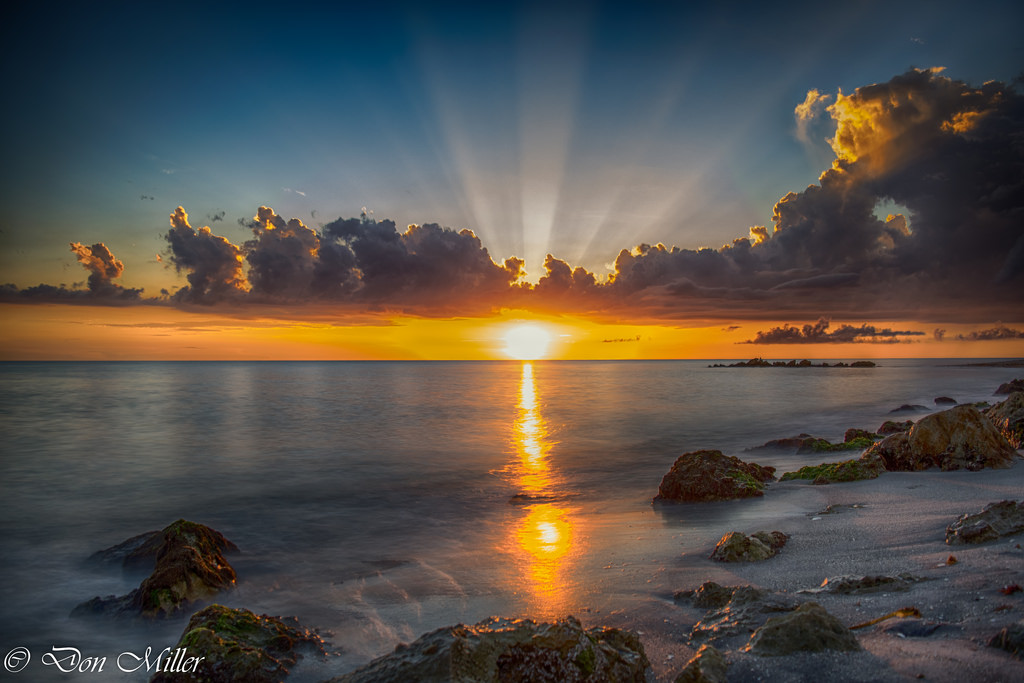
(893, 427)
(954, 439)
(809, 628)
(745, 608)
(997, 519)
(736, 547)
(872, 583)
(1008, 418)
(707, 666)
(225, 644)
(498, 649)
(1010, 387)
(189, 567)
(709, 475)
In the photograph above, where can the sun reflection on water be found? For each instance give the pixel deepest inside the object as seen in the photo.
(543, 536)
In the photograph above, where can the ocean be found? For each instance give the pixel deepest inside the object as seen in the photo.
(376, 501)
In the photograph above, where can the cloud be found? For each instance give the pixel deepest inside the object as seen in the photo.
(947, 151)
(626, 340)
(212, 264)
(103, 269)
(992, 334)
(818, 333)
(807, 111)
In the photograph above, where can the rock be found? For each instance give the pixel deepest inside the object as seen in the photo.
(862, 364)
(1010, 387)
(940, 400)
(138, 553)
(709, 595)
(808, 629)
(790, 442)
(735, 547)
(747, 608)
(830, 472)
(189, 567)
(954, 439)
(908, 408)
(877, 583)
(1011, 639)
(997, 519)
(238, 645)
(891, 427)
(499, 649)
(853, 433)
(707, 666)
(1008, 418)
(709, 475)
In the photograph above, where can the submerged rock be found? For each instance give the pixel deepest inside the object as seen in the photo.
(138, 553)
(707, 666)
(875, 583)
(940, 400)
(238, 645)
(499, 649)
(891, 427)
(908, 408)
(1008, 418)
(735, 547)
(807, 629)
(189, 567)
(997, 519)
(954, 439)
(1010, 387)
(710, 475)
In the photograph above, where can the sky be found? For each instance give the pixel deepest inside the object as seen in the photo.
(392, 180)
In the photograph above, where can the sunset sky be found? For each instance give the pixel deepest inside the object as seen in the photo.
(419, 181)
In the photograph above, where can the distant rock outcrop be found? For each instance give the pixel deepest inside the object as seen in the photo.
(189, 567)
(735, 547)
(944, 400)
(1008, 417)
(954, 439)
(511, 650)
(238, 645)
(997, 519)
(908, 408)
(709, 475)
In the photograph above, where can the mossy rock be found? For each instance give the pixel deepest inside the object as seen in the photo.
(832, 472)
(239, 645)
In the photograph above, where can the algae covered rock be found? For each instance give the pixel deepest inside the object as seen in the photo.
(807, 629)
(238, 645)
(707, 666)
(954, 439)
(832, 472)
(189, 567)
(499, 649)
(997, 519)
(709, 475)
(735, 547)
(1008, 418)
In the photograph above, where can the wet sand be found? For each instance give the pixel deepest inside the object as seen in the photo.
(892, 524)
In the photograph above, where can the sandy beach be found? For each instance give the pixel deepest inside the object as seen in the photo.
(889, 525)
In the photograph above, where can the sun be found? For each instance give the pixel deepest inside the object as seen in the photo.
(527, 342)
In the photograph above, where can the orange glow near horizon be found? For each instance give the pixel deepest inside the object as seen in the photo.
(72, 332)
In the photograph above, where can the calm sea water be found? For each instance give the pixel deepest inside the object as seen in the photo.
(377, 501)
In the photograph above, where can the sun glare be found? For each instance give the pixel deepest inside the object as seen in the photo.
(527, 342)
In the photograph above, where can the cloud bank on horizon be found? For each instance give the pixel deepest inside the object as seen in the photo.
(951, 153)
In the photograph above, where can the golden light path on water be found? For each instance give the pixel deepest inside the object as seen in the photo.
(545, 542)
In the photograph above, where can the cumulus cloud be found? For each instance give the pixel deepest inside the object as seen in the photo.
(103, 269)
(819, 333)
(213, 265)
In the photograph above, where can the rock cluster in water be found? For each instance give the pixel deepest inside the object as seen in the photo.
(238, 645)
(762, 363)
(511, 650)
(188, 566)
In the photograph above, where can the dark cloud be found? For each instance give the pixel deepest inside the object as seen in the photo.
(991, 334)
(819, 333)
(625, 340)
(212, 263)
(217, 216)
